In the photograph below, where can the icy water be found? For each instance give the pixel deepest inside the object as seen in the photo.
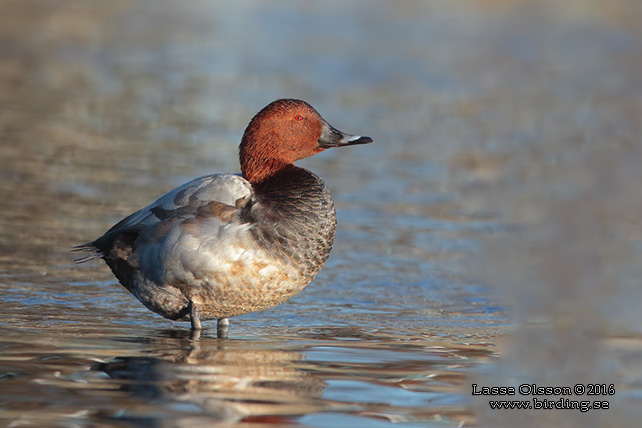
(490, 235)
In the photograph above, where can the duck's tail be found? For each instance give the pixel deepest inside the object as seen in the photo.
(90, 247)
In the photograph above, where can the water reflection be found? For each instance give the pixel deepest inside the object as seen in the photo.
(166, 377)
(226, 378)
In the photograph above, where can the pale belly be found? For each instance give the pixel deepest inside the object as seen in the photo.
(247, 288)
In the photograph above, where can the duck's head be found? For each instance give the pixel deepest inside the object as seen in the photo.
(283, 132)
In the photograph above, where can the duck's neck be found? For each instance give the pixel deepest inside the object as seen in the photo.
(260, 157)
(256, 170)
(288, 184)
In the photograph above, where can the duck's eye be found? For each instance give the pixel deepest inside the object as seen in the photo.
(298, 117)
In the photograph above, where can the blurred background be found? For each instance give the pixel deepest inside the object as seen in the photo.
(490, 235)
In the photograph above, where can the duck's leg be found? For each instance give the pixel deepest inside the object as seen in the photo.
(195, 316)
(195, 334)
(222, 327)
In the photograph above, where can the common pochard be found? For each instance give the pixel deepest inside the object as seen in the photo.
(224, 245)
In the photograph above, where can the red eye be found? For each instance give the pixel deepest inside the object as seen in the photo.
(298, 117)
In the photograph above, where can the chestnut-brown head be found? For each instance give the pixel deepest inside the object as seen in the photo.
(283, 132)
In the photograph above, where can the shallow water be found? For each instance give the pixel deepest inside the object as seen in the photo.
(490, 235)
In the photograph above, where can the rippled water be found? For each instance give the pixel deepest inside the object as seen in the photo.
(490, 235)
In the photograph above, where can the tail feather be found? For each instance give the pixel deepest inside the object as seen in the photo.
(87, 248)
(116, 243)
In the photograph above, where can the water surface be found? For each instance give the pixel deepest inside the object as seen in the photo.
(490, 234)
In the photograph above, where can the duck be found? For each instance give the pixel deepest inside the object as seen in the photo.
(229, 244)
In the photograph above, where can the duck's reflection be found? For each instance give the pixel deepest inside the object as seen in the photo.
(240, 380)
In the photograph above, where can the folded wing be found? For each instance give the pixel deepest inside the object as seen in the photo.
(215, 194)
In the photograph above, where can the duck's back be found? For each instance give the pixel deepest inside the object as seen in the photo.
(224, 188)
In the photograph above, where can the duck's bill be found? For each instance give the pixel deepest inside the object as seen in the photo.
(332, 137)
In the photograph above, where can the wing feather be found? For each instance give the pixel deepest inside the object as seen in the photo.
(191, 198)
